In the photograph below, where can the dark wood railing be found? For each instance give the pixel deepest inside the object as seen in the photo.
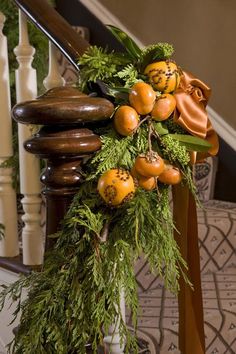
(53, 25)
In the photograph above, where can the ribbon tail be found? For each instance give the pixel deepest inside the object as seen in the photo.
(191, 322)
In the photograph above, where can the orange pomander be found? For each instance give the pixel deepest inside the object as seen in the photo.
(142, 97)
(116, 186)
(170, 175)
(126, 120)
(163, 107)
(163, 75)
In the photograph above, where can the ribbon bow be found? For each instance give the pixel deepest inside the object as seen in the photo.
(192, 96)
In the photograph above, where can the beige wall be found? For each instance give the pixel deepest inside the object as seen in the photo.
(203, 33)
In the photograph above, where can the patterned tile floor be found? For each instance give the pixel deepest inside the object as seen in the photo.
(158, 322)
(159, 318)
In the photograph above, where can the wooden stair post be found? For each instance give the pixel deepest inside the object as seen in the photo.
(64, 141)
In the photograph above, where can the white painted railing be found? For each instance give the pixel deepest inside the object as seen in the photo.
(8, 211)
(30, 187)
(54, 78)
(26, 89)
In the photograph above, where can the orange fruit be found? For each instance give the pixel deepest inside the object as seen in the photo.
(116, 186)
(163, 75)
(170, 175)
(126, 120)
(163, 107)
(149, 166)
(142, 97)
(147, 183)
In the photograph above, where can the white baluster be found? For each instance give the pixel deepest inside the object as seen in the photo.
(9, 246)
(54, 78)
(26, 89)
(112, 340)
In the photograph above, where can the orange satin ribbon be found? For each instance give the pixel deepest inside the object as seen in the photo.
(191, 323)
(191, 97)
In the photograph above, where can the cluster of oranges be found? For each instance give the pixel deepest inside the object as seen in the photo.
(116, 185)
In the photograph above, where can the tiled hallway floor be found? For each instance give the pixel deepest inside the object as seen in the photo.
(159, 318)
(158, 323)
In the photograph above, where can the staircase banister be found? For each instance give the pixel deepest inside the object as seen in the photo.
(55, 27)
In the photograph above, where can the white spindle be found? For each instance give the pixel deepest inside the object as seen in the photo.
(26, 89)
(54, 78)
(9, 246)
(112, 340)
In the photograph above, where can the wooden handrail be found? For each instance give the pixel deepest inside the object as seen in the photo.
(55, 27)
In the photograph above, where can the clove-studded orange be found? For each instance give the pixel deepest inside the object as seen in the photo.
(149, 165)
(116, 186)
(142, 97)
(126, 120)
(170, 175)
(163, 107)
(163, 75)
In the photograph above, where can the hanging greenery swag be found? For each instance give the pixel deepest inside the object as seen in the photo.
(76, 296)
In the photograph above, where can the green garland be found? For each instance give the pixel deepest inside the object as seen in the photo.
(76, 296)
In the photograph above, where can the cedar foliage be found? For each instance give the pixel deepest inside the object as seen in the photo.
(76, 296)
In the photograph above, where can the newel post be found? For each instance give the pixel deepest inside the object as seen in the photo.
(66, 138)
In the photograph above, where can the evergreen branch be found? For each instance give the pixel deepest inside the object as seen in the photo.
(97, 64)
(115, 152)
(129, 75)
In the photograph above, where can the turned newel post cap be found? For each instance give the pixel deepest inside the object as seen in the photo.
(65, 140)
(63, 106)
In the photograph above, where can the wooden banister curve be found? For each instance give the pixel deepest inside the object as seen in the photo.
(55, 27)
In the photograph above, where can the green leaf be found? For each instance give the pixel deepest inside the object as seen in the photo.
(131, 47)
(119, 93)
(159, 127)
(192, 143)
